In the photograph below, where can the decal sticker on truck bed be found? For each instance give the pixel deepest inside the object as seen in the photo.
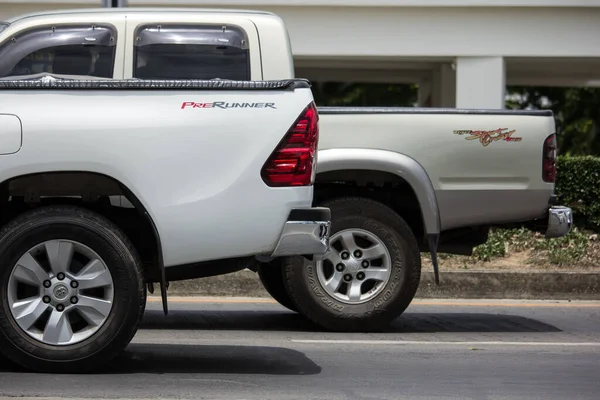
(225, 105)
(487, 137)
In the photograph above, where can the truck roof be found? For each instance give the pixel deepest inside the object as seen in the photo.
(135, 10)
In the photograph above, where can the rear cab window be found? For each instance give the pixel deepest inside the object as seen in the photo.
(184, 52)
(78, 49)
(195, 50)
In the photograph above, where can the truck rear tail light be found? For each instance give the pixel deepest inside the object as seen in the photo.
(549, 159)
(292, 162)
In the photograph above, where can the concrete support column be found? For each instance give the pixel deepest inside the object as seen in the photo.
(444, 86)
(480, 82)
(425, 93)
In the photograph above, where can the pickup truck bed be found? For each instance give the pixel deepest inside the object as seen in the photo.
(184, 149)
(484, 166)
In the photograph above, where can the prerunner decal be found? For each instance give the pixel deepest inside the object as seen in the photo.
(487, 137)
(225, 105)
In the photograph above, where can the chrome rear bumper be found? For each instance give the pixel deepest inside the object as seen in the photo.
(306, 233)
(560, 221)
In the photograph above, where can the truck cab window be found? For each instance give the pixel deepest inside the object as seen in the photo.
(68, 60)
(191, 53)
(65, 51)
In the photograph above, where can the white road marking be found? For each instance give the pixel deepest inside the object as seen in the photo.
(150, 340)
(470, 343)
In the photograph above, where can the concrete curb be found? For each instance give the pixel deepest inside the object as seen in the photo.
(560, 285)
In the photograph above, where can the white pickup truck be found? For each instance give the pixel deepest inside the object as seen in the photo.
(214, 170)
(173, 112)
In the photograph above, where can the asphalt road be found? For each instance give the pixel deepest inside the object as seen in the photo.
(243, 349)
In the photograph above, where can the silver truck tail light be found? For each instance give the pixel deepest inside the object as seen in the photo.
(549, 159)
(292, 162)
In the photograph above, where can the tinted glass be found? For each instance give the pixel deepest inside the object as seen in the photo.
(68, 60)
(191, 52)
(66, 50)
(191, 61)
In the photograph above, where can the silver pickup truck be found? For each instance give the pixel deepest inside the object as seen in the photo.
(398, 181)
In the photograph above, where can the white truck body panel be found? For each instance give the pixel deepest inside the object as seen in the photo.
(474, 183)
(196, 171)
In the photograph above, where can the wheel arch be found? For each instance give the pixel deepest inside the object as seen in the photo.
(382, 161)
(65, 184)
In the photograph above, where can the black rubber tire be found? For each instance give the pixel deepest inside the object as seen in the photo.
(271, 277)
(314, 303)
(105, 238)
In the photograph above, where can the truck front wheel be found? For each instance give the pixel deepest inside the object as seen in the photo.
(369, 276)
(71, 290)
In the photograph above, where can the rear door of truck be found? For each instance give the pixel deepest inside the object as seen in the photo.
(201, 46)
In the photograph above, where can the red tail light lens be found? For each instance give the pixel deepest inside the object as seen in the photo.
(549, 159)
(292, 162)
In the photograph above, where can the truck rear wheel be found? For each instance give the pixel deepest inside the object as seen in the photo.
(271, 277)
(367, 279)
(71, 290)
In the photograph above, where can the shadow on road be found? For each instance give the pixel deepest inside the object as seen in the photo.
(169, 359)
(191, 359)
(224, 359)
(469, 322)
(287, 321)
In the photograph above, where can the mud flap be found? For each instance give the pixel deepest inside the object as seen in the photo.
(433, 245)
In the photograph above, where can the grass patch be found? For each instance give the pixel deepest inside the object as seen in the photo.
(530, 250)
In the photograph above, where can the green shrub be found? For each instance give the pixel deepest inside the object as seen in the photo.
(564, 250)
(578, 186)
(501, 242)
(495, 247)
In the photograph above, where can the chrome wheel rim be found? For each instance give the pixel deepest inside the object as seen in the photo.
(356, 268)
(60, 292)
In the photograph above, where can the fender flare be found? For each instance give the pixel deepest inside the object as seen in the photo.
(387, 161)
